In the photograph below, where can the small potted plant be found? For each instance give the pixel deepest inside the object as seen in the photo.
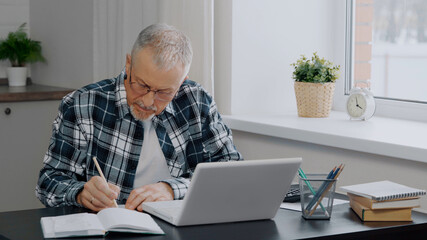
(314, 85)
(19, 50)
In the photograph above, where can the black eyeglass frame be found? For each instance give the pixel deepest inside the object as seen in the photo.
(147, 89)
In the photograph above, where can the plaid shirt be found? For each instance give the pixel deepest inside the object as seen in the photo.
(96, 121)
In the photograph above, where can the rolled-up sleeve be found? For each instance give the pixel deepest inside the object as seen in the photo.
(179, 186)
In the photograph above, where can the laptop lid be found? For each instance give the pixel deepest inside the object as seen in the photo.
(234, 191)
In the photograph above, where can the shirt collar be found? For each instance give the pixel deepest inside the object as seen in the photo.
(121, 100)
(170, 108)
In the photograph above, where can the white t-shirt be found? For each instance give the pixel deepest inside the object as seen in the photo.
(152, 165)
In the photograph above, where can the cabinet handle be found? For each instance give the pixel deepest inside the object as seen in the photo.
(7, 111)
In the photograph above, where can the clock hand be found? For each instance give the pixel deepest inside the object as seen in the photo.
(357, 103)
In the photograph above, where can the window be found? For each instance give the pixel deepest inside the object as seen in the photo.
(388, 40)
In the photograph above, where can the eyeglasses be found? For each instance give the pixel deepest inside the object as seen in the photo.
(143, 89)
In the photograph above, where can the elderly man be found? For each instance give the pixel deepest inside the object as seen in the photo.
(148, 128)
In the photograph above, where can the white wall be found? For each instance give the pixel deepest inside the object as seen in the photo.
(65, 30)
(267, 36)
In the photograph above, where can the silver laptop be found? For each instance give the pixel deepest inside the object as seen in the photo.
(230, 192)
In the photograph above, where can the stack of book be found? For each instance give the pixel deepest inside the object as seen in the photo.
(383, 201)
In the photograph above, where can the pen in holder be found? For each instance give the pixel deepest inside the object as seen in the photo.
(317, 195)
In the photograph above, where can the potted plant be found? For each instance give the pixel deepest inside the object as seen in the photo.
(314, 85)
(19, 50)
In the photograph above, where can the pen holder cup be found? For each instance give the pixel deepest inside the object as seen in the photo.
(317, 196)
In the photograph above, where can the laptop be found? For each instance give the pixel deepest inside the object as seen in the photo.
(230, 192)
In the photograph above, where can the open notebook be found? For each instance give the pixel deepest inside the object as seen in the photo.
(107, 220)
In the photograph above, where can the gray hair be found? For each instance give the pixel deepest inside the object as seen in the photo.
(170, 46)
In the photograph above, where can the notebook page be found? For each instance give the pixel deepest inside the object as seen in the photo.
(76, 222)
(119, 219)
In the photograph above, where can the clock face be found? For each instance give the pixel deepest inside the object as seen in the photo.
(356, 105)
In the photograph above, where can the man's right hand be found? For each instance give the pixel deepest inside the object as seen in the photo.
(97, 194)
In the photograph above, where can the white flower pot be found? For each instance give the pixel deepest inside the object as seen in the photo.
(17, 76)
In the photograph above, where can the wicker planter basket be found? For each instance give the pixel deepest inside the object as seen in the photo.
(314, 99)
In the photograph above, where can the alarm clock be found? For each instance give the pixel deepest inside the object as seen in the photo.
(360, 104)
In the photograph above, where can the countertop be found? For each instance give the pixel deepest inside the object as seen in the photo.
(31, 92)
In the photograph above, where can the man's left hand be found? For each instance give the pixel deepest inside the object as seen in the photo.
(149, 193)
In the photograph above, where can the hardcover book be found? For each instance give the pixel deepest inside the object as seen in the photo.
(388, 204)
(366, 214)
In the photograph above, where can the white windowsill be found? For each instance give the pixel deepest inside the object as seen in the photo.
(384, 136)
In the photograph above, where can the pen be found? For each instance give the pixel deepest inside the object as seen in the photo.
(102, 176)
(302, 174)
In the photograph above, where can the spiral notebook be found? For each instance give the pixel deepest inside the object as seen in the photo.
(383, 190)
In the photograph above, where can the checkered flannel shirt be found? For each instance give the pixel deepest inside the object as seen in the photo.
(96, 121)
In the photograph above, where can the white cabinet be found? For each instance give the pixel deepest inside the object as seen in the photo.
(24, 138)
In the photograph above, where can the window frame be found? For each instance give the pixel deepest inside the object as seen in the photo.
(385, 107)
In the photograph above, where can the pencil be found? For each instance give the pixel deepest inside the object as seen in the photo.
(320, 190)
(102, 176)
(327, 189)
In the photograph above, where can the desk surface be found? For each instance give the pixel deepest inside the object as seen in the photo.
(344, 224)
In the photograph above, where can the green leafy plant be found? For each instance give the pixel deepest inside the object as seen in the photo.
(315, 70)
(19, 49)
